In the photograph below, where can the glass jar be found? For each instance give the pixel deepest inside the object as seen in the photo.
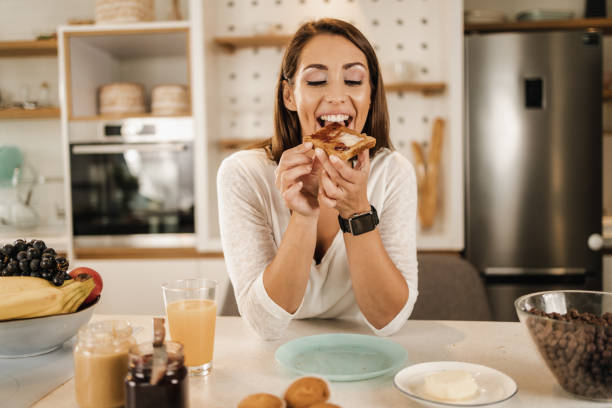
(101, 363)
(169, 392)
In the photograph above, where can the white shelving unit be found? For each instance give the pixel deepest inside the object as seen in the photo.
(90, 56)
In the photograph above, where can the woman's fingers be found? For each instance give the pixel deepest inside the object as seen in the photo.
(344, 170)
(363, 162)
(324, 199)
(331, 189)
(290, 176)
(296, 156)
(292, 192)
(329, 167)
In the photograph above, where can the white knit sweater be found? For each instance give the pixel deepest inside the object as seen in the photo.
(253, 218)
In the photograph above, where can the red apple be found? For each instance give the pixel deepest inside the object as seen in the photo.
(97, 280)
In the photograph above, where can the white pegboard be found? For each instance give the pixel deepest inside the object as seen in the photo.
(424, 33)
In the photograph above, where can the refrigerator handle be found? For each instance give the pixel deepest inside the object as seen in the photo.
(595, 242)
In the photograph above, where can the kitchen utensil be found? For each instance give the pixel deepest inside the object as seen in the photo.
(575, 351)
(341, 357)
(427, 175)
(40, 335)
(493, 386)
(175, 11)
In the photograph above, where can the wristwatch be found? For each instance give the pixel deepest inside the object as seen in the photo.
(360, 223)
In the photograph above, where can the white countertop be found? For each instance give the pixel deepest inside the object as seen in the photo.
(244, 364)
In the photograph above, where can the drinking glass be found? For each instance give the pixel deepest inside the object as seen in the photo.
(191, 310)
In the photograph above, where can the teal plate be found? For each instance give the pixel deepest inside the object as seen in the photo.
(342, 357)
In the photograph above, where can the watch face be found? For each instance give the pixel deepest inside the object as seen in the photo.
(362, 224)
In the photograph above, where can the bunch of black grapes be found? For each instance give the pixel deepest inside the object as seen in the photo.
(33, 258)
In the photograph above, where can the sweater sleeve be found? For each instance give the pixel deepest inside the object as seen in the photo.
(397, 230)
(248, 243)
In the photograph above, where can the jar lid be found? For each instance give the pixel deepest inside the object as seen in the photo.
(107, 332)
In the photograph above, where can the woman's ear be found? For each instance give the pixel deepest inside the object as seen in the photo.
(288, 97)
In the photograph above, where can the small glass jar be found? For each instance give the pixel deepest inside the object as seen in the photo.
(169, 392)
(101, 363)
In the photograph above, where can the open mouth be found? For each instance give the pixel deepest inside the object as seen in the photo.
(343, 119)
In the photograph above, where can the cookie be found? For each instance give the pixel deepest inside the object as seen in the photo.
(261, 400)
(306, 391)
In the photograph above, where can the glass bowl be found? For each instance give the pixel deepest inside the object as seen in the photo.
(576, 347)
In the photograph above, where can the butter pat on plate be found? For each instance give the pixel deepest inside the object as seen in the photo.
(451, 385)
(454, 383)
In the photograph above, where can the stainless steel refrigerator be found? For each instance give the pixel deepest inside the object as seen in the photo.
(533, 162)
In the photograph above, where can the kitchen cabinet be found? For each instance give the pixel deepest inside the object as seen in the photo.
(133, 286)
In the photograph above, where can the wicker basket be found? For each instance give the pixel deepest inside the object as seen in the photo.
(124, 11)
(170, 100)
(121, 98)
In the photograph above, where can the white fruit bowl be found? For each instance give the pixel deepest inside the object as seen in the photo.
(40, 335)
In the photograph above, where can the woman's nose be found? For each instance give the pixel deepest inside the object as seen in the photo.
(335, 98)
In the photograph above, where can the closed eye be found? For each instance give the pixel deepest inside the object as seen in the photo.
(316, 83)
(353, 83)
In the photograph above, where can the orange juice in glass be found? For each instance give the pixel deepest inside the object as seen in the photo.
(191, 309)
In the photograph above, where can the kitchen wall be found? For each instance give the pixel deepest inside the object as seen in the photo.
(424, 35)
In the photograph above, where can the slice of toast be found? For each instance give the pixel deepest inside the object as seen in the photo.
(340, 141)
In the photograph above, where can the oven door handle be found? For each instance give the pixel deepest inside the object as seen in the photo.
(122, 148)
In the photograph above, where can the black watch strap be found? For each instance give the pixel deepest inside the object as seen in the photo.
(359, 223)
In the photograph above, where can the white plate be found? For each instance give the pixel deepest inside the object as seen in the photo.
(493, 386)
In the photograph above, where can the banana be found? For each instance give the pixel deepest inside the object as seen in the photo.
(14, 284)
(22, 296)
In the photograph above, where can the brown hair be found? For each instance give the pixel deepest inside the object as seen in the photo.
(287, 129)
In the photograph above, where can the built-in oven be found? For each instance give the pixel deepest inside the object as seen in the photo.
(132, 183)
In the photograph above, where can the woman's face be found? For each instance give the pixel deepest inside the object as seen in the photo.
(331, 84)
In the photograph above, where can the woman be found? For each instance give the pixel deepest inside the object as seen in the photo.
(279, 205)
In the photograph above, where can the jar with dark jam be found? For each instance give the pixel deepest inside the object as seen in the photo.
(171, 389)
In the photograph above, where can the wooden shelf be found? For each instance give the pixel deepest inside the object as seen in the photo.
(236, 144)
(19, 113)
(604, 24)
(33, 48)
(235, 42)
(123, 116)
(427, 88)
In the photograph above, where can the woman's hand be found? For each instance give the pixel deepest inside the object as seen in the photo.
(297, 181)
(343, 187)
